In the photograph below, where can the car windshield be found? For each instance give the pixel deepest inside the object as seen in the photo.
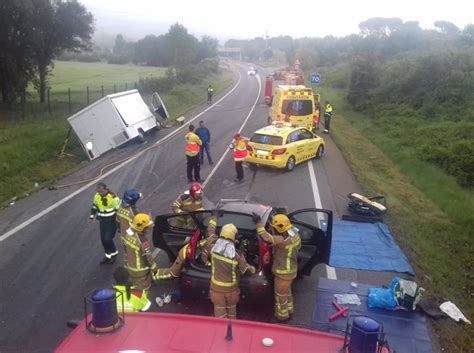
(297, 107)
(267, 139)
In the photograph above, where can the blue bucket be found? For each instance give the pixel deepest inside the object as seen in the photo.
(104, 308)
(364, 335)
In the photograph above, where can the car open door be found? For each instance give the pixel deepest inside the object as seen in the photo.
(172, 231)
(315, 229)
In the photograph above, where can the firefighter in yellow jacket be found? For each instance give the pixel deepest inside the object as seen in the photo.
(189, 201)
(204, 244)
(128, 208)
(193, 146)
(286, 244)
(227, 265)
(138, 259)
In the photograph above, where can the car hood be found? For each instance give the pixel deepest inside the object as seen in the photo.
(242, 206)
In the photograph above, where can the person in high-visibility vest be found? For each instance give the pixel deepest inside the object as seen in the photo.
(205, 245)
(104, 208)
(239, 145)
(327, 117)
(128, 208)
(316, 116)
(226, 267)
(193, 146)
(210, 93)
(129, 298)
(286, 244)
(138, 258)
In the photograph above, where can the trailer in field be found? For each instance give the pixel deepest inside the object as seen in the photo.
(114, 120)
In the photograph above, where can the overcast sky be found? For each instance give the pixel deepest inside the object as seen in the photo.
(248, 19)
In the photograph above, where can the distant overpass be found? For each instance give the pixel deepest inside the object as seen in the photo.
(234, 53)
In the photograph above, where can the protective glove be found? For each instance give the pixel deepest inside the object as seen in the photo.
(256, 218)
(252, 269)
(91, 216)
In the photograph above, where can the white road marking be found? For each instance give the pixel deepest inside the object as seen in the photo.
(330, 271)
(155, 253)
(113, 170)
(240, 130)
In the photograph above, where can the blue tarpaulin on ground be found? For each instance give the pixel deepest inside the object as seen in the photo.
(366, 246)
(406, 331)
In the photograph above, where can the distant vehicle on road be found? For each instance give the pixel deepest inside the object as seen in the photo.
(252, 72)
(173, 231)
(282, 145)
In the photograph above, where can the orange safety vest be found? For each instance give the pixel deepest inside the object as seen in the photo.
(240, 150)
(193, 144)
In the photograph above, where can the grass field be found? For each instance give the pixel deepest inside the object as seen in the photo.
(431, 216)
(87, 83)
(29, 150)
(77, 76)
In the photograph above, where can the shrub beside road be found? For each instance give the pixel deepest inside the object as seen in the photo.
(430, 214)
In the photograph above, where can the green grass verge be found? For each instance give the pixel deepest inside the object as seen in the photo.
(29, 150)
(431, 216)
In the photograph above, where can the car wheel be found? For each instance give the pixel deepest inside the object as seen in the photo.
(290, 164)
(269, 120)
(320, 152)
(141, 136)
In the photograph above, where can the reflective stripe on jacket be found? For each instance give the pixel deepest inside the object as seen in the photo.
(285, 252)
(138, 300)
(138, 254)
(240, 149)
(226, 272)
(124, 217)
(185, 203)
(193, 144)
(106, 206)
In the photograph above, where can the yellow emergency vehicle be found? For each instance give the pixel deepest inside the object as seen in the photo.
(282, 145)
(294, 104)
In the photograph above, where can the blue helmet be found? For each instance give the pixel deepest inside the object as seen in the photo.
(131, 196)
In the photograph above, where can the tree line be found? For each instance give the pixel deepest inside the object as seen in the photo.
(35, 32)
(177, 48)
(32, 34)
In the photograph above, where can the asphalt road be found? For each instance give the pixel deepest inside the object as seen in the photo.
(49, 263)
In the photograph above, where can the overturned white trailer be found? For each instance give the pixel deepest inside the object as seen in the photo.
(114, 120)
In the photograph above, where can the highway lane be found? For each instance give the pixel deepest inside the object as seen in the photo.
(47, 267)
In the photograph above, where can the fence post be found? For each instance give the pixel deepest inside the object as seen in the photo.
(135, 85)
(49, 100)
(115, 88)
(69, 100)
(87, 95)
(126, 86)
(23, 102)
(102, 91)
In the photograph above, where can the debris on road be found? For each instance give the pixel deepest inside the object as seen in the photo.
(347, 299)
(453, 312)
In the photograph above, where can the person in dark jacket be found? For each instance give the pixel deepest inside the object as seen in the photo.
(205, 136)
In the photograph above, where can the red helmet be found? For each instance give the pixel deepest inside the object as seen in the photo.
(196, 190)
(236, 136)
